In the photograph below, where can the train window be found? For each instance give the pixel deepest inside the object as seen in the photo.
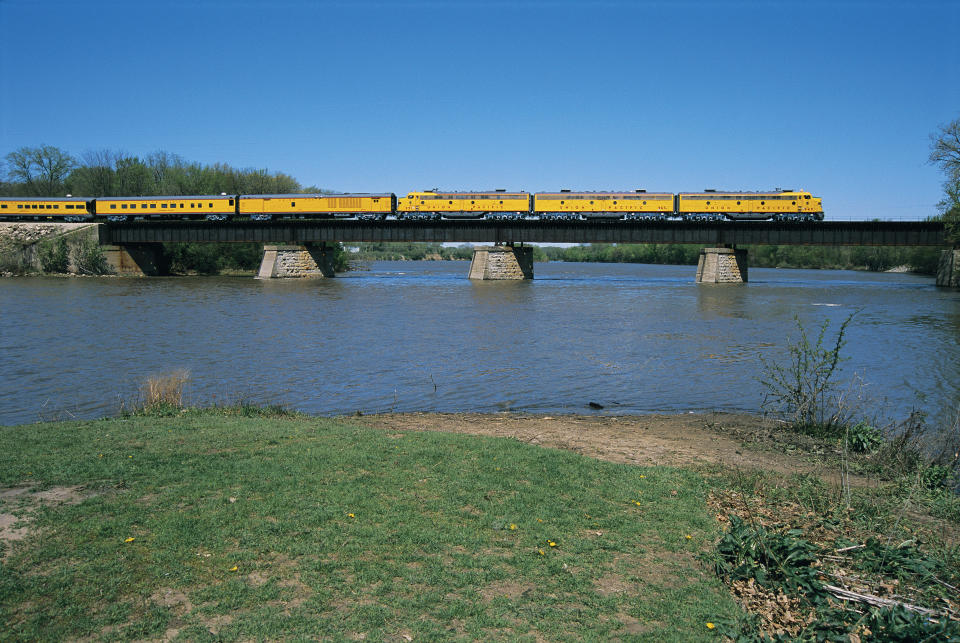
(614, 202)
(473, 202)
(49, 207)
(794, 202)
(123, 206)
(293, 204)
(181, 205)
(19, 206)
(163, 205)
(763, 203)
(153, 205)
(56, 207)
(501, 202)
(231, 202)
(644, 202)
(561, 203)
(3, 206)
(193, 205)
(708, 203)
(806, 196)
(210, 204)
(451, 202)
(422, 202)
(591, 203)
(113, 206)
(738, 203)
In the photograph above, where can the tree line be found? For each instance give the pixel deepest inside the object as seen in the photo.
(50, 171)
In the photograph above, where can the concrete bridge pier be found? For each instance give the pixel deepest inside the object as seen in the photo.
(135, 259)
(289, 261)
(502, 262)
(727, 265)
(948, 271)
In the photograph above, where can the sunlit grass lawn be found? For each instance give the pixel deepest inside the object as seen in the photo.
(206, 526)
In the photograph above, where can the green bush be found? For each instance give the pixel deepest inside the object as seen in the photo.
(89, 259)
(54, 255)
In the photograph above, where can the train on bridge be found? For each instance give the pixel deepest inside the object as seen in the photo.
(709, 205)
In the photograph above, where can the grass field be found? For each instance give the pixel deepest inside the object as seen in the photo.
(206, 525)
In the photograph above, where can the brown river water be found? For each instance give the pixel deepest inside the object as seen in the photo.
(419, 336)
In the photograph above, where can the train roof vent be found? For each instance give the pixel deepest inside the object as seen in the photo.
(564, 189)
(785, 190)
(709, 190)
(501, 189)
(640, 191)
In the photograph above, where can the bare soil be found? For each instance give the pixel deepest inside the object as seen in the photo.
(743, 441)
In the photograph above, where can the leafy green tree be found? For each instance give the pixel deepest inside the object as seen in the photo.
(945, 152)
(40, 170)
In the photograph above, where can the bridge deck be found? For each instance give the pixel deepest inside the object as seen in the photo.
(826, 233)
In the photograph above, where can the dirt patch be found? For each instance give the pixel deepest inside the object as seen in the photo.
(8, 530)
(672, 440)
(17, 505)
(507, 588)
(174, 599)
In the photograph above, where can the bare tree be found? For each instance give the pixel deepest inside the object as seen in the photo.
(41, 169)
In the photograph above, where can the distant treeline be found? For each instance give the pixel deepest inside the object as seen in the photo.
(919, 259)
(923, 260)
(51, 171)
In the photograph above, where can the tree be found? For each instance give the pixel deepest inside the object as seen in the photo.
(945, 152)
(41, 170)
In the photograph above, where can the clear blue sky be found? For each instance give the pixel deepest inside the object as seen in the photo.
(838, 98)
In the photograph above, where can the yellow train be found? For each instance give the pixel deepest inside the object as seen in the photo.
(784, 205)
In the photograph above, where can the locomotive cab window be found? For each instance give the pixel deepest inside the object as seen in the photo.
(293, 204)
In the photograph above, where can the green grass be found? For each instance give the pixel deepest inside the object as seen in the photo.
(428, 552)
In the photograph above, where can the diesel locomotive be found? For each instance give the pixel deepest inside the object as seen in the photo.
(709, 205)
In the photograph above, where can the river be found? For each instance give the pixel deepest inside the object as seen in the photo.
(419, 336)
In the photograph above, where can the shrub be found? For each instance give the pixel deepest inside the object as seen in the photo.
(88, 258)
(163, 394)
(54, 255)
(804, 389)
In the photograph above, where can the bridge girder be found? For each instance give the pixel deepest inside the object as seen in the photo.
(728, 233)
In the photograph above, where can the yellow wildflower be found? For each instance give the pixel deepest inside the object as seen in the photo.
(689, 536)
(351, 516)
(540, 551)
(512, 526)
(234, 568)
(129, 540)
(551, 543)
(710, 626)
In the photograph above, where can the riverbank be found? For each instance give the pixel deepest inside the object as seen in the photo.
(249, 523)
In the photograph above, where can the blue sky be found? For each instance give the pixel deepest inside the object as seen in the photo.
(838, 98)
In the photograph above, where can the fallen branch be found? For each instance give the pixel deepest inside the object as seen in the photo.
(876, 601)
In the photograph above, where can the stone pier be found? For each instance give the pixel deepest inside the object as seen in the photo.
(502, 262)
(722, 266)
(948, 271)
(135, 260)
(285, 262)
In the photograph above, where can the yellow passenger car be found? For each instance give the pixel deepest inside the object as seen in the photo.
(783, 204)
(629, 205)
(45, 208)
(464, 204)
(120, 208)
(262, 207)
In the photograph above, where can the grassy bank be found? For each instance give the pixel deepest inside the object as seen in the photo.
(208, 525)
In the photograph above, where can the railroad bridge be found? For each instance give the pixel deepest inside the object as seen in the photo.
(300, 247)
